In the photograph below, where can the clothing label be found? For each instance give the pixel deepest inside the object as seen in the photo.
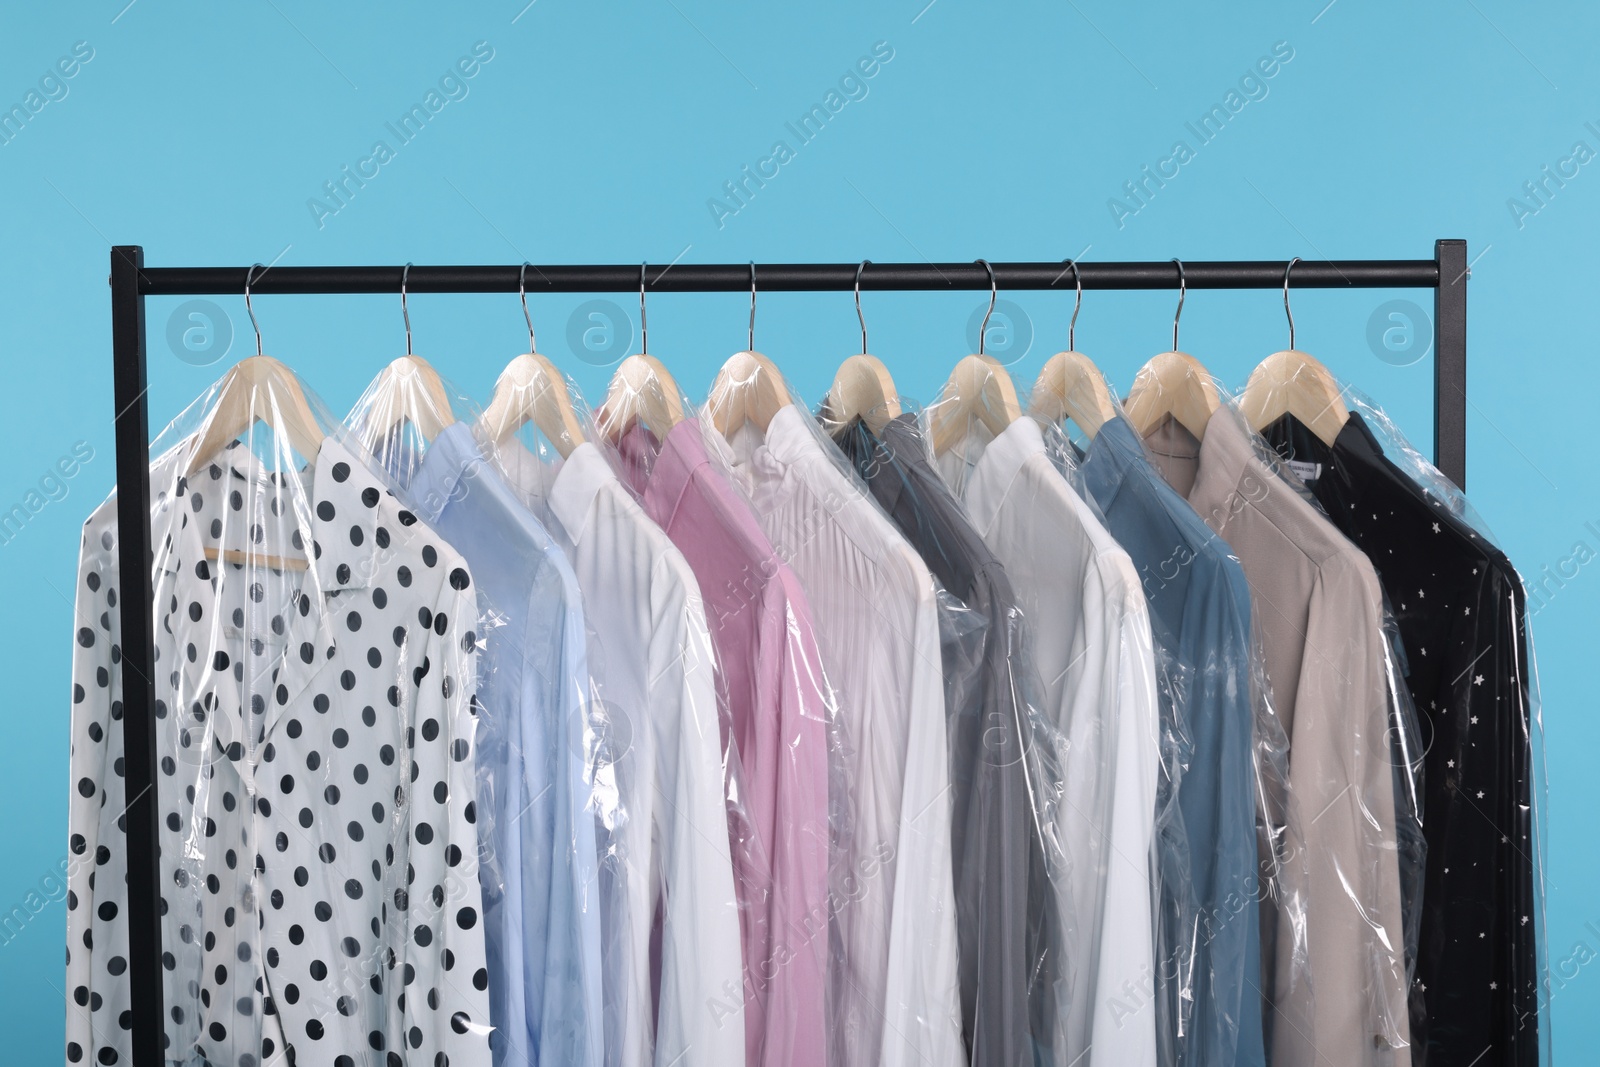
(1306, 472)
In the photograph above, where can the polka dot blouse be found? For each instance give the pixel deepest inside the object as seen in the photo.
(315, 661)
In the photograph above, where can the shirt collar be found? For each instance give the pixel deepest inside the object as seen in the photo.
(346, 544)
(579, 480)
(451, 462)
(343, 494)
(788, 440)
(345, 535)
(998, 465)
(1114, 450)
(679, 455)
(1226, 455)
(901, 446)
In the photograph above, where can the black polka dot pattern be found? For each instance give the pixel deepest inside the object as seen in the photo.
(321, 896)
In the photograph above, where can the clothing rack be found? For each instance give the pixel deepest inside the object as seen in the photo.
(131, 281)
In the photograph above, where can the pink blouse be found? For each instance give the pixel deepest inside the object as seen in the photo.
(776, 720)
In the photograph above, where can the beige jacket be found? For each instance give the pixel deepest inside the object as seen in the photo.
(1317, 610)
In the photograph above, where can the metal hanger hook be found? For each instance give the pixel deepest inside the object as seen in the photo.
(994, 292)
(1183, 290)
(522, 291)
(405, 309)
(644, 326)
(752, 346)
(1072, 327)
(862, 319)
(1286, 309)
(249, 276)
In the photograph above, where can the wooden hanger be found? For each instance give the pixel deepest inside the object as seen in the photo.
(641, 391)
(407, 390)
(530, 389)
(749, 388)
(258, 389)
(979, 388)
(1173, 383)
(1294, 383)
(1069, 385)
(862, 388)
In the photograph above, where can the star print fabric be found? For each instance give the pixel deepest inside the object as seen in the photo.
(315, 727)
(1461, 611)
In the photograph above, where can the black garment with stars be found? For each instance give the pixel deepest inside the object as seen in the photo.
(314, 733)
(1462, 617)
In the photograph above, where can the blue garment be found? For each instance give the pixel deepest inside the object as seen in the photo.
(537, 833)
(1200, 619)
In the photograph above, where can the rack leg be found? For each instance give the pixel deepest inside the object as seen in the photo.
(132, 426)
(1450, 361)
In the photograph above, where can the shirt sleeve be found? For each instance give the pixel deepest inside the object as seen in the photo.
(96, 744)
(1343, 786)
(573, 985)
(1123, 1028)
(701, 1014)
(922, 1010)
(441, 995)
(789, 801)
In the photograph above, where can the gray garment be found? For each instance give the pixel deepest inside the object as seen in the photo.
(1318, 611)
(1007, 922)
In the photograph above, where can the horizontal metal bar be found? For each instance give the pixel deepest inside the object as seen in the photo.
(793, 277)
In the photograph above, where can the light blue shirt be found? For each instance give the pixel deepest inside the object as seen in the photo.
(1208, 935)
(535, 816)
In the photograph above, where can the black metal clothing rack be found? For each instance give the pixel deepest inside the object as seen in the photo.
(131, 281)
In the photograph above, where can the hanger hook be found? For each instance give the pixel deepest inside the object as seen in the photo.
(1286, 309)
(522, 291)
(644, 326)
(249, 276)
(1072, 327)
(860, 317)
(1183, 290)
(752, 347)
(994, 291)
(405, 309)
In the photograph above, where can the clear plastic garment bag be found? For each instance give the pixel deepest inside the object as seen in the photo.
(542, 845)
(317, 654)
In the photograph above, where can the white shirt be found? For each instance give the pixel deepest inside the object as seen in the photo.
(897, 997)
(319, 864)
(659, 779)
(1094, 653)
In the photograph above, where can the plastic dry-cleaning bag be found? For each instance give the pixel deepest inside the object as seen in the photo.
(893, 985)
(1092, 645)
(316, 659)
(536, 801)
(1005, 758)
(1462, 613)
(1338, 973)
(778, 712)
(670, 919)
(1221, 808)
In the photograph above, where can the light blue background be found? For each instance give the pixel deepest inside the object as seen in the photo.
(599, 131)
